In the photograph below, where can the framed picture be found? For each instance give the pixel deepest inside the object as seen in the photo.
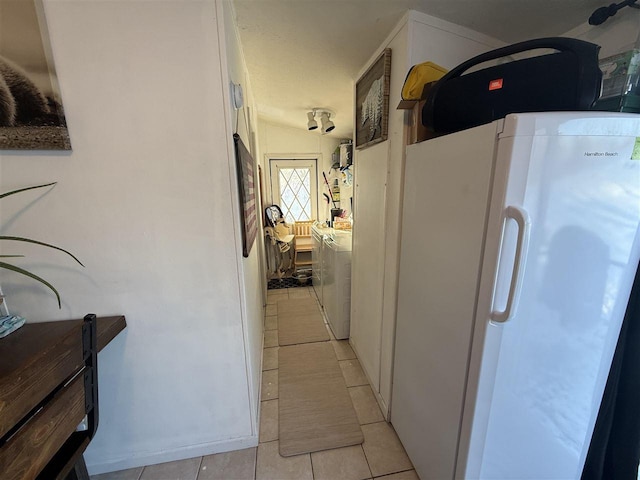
(372, 102)
(245, 165)
(31, 112)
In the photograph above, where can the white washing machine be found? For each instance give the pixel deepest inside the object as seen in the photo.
(336, 282)
(318, 232)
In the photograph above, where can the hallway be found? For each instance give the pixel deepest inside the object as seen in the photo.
(380, 456)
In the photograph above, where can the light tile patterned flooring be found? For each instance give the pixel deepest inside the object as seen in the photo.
(380, 456)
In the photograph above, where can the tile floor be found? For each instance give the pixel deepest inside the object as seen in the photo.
(380, 456)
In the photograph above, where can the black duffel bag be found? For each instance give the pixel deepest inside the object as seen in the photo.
(567, 80)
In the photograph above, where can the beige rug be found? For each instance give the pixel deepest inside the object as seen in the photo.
(298, 306)
(315, 408)
(300, 322)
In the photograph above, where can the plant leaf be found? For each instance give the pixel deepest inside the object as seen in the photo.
(28, 240)
(13, 192)
(13, 268)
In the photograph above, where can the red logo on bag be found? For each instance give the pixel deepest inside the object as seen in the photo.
(495, 84)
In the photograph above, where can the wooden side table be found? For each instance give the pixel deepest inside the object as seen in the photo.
(49, 396)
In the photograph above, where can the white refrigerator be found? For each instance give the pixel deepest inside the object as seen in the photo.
(520, 241)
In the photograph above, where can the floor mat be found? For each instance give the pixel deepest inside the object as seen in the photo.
(287, 282)
(300, 321)
(315, 408)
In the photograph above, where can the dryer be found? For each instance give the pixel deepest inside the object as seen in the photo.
(318, 232)
(336, 282)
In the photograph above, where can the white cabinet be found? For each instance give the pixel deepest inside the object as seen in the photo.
(378, 195)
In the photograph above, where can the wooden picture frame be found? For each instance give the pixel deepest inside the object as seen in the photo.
(246, 186)
(372, 102)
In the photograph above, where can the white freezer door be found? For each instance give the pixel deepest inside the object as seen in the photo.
(581, 195)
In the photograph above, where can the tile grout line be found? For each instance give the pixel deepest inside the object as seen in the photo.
(255, 463)
(366, 459)
(199, 467)
(371, 423)
(393, 473)
(313, 474)
(302, 343)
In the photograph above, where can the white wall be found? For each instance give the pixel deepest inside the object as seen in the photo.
(253, 269)
(148, 200)
(378, 193)
(278, 141)
(616, 35)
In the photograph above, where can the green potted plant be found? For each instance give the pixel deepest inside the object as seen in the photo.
(22, 271)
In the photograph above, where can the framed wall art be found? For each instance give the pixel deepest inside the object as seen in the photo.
(246, 186)
(372, 102)
(31, 112)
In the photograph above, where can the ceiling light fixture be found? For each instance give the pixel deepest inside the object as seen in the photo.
(327, 125)
(325, 118)
(312, 124)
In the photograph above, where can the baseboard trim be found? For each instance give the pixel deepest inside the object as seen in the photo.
(181, 453)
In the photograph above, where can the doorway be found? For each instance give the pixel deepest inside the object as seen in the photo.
(294, 187)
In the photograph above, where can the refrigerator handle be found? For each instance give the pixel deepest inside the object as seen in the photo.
(524, 223)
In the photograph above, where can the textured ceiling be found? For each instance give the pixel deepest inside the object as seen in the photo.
(306, 53)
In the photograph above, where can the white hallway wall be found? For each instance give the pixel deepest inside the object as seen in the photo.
(148, 200)
(616, 35)
(253, 277)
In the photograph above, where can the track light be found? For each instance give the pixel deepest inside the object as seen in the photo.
(327, 125)
(312, 124)
(325, 118)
